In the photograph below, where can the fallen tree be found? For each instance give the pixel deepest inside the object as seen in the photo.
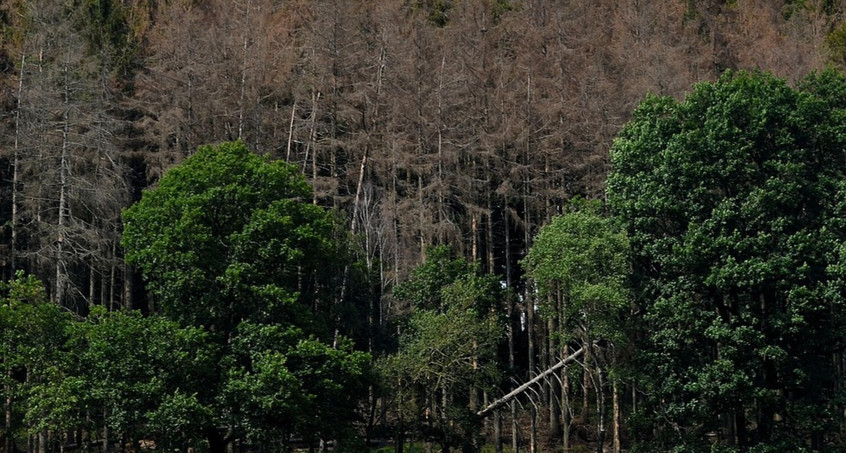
(500, 402)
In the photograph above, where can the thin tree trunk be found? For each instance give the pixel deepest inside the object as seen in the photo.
(554, 390)
(617, 416)
(497, 431)
(530, 330)
(474, 237)
(533, 437)
(586, 386)
(358, 187)
(243, 73)
(91, 284)
(505, 399)
(61, 266)
(515, 427)
(128, 303)
(290, 133)
(313, 142)
(565, 406)
(106, 441)
(16, 175)
(600, 411)
(7, 410)
(441, 211)
(112, 273)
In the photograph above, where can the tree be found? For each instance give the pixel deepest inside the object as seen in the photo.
(138, 372)
(281, 382)
(731, 202)
(226, 237)
(39, 392)
(580, 263)
(68, 182)
(228, 241)
(447, 350)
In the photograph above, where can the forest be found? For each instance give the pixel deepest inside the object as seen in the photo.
(422, 225)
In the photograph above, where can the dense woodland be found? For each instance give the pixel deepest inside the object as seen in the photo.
(414, 241)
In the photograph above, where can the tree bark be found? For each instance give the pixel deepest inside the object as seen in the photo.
(497, 431)
(7, 410)
(585, 414)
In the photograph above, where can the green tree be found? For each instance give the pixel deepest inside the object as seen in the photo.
(280, 380)
(39, 390)
(731, 199)
(580, 262)
(580, 265)
(227, 237)
(140, 371)
(447, 351)
(229, 242)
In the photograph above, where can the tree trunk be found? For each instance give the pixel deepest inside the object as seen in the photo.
(91, 283)
(585, 415)
(106, 441)
(61, 266)
(127, 287)
(533, 437)
(565, 406)
(554, 390)
(600, 411)
(7, 410)
(515, 441)
(16, 177)
(497, 431)
(505, 399)
(617, 416)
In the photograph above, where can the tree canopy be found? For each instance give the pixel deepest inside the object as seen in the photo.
(732, 199)
(228, 236)
(447, 351)
(580, 262)
(229, 242)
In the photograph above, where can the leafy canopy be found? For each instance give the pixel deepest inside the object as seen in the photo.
(732, 202)
(227, 237)
(228, 242)
(582, 259)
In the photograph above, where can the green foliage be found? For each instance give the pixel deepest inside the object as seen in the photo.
(581, 260)
(227, 237)
(107, 29)
(136, 364)
(278, 380)
(134, 370)
(448, 347)
(229, 243)
(442, 281)
(437, 11)
(499, 8)
(178, 421)
(35, 360)
(835, 41)
(731, 199)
